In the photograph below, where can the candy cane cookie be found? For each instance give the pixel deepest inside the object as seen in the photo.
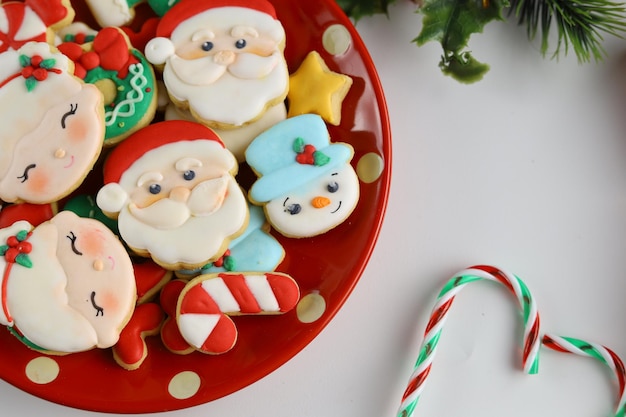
(205, 304)
(438, 317)
(32, 21)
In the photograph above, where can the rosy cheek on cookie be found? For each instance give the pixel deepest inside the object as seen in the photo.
(108, 300)
(91, 242)
(77, 130)
(38, 181)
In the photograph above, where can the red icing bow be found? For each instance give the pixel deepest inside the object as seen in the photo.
(109, 51)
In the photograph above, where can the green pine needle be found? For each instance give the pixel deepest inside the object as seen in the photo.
(580, 25)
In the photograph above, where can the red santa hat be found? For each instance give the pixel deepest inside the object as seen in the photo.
(189, 8)
(149, 138)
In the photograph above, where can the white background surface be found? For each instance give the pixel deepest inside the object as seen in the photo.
(525, 170)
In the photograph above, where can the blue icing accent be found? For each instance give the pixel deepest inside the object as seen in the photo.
(253, 251)
(272, 157)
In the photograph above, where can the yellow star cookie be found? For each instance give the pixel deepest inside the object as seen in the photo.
(314, 88)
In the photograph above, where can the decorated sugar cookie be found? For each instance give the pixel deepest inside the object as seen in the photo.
(314, 88)
(173, 189)
(32, 21)
(122, 12)
(254, 250)
(51, 125)
(206, 302)
(306, 183)
(236, 140)
(67, 284)
(222, 60)
(123, 75)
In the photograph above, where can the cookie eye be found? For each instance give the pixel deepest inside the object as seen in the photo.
(72, 238)
(207, 46)
(24, 176)
(332, 187)
(154, 189)
(73, 108)
(240, 44)
(189, 175)
(293, 209)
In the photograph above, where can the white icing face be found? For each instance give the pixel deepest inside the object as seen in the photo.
(242, 61)
(318, 206)
(100, 276)
(183, 203)
(52, 159)
(79, 290)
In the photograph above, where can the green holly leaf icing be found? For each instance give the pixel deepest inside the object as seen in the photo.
(3, 249)
(298, 145)
(320, 158)
(24, 60)
(48, 63)
(24, 260)
(31, 83)
(22, 235)
(229, 263)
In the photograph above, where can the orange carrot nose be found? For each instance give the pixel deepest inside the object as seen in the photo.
(320, 202)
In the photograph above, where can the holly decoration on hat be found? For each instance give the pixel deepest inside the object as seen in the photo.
(307, 154)
(580, 24)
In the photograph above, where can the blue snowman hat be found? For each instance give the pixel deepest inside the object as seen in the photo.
(292, 153)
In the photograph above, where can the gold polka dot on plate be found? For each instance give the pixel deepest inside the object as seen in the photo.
(311, 307)
(336, 39)
(369, 167)
(184, 385)
(42, 370)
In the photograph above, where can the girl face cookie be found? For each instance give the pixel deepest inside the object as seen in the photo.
(100, 277)
(51, 126)
(68, 284)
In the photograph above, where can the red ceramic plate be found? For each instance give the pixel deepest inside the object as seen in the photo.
(327, 266)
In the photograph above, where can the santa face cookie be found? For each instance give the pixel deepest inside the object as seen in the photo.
(51, 125)
(67, 285)
(306, 183)
(172, 186)
(222, 49)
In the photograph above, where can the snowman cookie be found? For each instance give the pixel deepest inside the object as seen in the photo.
(306, 183)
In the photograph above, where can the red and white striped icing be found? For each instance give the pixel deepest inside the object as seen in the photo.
(206, 302)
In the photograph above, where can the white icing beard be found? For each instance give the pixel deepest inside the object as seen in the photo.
(195, 241)
(311, 221)
(236, 97)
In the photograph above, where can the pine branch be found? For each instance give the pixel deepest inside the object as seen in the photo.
(580, 24)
